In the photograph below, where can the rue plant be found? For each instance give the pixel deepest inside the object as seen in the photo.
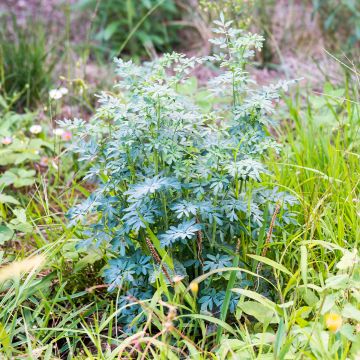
(180, 187)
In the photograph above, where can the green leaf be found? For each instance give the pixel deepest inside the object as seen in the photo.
(210, 319)
(308, 296)
(110, 30)
(26, 173)
(328, 304)
(193, 352)
(257, 297)
(22, 227)
(8, 178)
(5, 234)
(89, 259)
(338, 282)
(18, 177)
(348, 331)
(20, 215)
(259, 311)
(303, 263)
(24, 182)
(7, 199)
(280, 349)
(233, 349)
(4, 337)
(349, 260)
(20, 223)
(351, 312)
(271, 263)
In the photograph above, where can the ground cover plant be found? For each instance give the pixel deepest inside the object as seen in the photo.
(29, 152)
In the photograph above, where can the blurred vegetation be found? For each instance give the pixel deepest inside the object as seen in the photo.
(340, 20)
(133, 27)
(246, 14)
(25, 68)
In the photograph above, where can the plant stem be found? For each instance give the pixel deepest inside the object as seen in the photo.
(230, 285)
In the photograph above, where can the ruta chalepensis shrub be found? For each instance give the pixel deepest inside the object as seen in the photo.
(180, 187)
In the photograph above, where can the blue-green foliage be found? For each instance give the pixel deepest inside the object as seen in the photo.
(192, 177)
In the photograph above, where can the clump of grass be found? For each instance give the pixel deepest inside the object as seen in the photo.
(321, 163)
(25, 68)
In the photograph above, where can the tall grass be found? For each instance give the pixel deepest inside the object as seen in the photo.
(321, 167)
(25, 67)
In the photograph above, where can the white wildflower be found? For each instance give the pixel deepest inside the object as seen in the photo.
(55, 94)
(64, 90)
(36, 129)
(58, 131)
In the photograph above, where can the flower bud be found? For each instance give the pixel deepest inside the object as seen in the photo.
(194, 287)
(333, 321)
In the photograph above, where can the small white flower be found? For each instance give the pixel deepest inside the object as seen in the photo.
(63, 90)
(58, 131)
(35, 129)
(55, 94)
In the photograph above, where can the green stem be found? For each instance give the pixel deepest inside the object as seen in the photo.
(156, 154)
(131, 165)
(213, 234)
(226, 303)
(164, 204)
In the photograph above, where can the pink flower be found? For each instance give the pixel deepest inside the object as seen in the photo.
(7, 140)
(66, 136)
(44, 161)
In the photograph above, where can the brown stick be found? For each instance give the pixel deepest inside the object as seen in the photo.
(267, 241)
(157, 259)
(199, 236)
